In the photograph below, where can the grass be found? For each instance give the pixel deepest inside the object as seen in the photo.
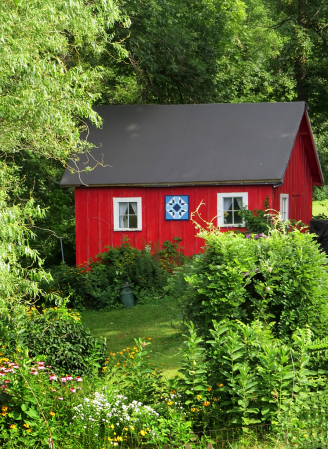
(320, 207)
(158, 321)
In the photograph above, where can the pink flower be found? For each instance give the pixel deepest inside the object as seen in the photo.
(2, 374)
(69, 378)
(34, 372)
(7, 381)
(60, 399)
(73, 390)
(48, 366)
(41, 363)
(78, 388)
(40, 367)
(78, 379)
(3, 386)
(63, 379)
(53, 390)
(52, 377)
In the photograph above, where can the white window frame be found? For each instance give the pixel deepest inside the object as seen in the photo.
(284, 196)
(116, 213)
(221, 197)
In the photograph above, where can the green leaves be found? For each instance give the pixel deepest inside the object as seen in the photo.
(279, 279)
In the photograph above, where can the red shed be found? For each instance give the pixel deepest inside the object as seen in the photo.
(159, 162)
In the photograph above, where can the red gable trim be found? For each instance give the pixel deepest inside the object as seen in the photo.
(311, 150)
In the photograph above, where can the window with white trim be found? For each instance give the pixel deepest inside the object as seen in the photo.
(284, 206)
(230, 206)
(127, 214)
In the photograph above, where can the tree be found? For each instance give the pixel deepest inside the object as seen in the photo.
(45, 94)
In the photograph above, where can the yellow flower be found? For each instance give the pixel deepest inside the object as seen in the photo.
(193, 409)
(209, 389)
(206, 404)
(169, 403)
(119, 439)
(142, 432)
(52, 414)
(214, 399)
(220, 385)
(199, 396)
(111, 426)
(29, 430)
(131, 427)
(125, 428)
(13, 426)
(4, 408)
(149, 338)
(26, 425)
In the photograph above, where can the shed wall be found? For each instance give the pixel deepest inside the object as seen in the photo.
(298, 180)
(94, 215)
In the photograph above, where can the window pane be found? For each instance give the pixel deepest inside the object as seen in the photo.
(227, 204)
(227, 217)
(237, 203)
(124, 221)
(133, 219)
(133, 208)
(123, 208)
(238, 219)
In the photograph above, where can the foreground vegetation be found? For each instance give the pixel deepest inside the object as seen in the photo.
(254, 354)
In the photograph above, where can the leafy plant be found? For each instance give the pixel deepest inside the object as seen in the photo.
(280, 278)
(97, 284)
(58, 336)
(257, 221)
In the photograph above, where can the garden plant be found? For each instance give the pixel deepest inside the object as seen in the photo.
(255, 354)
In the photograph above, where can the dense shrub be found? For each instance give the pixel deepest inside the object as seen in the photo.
(250, 377)
(96, 284)
(58, 337)
(280, 278)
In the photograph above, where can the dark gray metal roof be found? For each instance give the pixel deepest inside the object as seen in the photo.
(191, 144)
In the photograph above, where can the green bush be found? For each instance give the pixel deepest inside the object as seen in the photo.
(58, 337)
(97, 284)
(247, 377)
(280, 278)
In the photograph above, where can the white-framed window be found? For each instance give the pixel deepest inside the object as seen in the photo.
(230, 205)
(127, 214)
(284, 206)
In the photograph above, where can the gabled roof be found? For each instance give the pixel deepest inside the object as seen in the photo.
(247, 143)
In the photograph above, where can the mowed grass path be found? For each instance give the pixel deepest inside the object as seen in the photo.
(158, 321)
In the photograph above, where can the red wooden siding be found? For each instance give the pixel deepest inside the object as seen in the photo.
(298, 179)
(94, 215)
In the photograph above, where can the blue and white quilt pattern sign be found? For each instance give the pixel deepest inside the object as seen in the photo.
(177, 207)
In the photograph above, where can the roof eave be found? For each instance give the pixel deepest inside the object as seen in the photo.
(194, 183)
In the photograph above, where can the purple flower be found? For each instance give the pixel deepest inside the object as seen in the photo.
(256, 237)
(248, 236)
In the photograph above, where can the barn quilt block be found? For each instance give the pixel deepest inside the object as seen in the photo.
(177, 207)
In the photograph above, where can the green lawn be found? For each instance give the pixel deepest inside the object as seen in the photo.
(320, 207)
(158, 321)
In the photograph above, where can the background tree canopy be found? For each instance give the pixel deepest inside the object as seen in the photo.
(58, 59)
